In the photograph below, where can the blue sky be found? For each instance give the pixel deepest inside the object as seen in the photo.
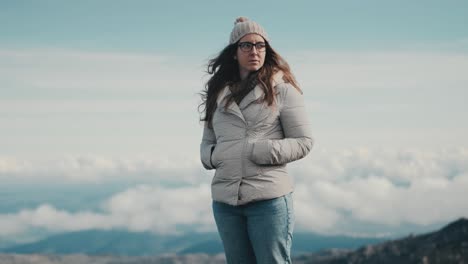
(104, 93)
(201, 26)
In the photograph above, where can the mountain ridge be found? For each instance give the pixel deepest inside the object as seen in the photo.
(119, 242)
(446, 245)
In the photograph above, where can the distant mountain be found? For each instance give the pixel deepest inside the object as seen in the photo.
(85, 259)
(98, 242)
(310, 242)
(448, 245)
(124, 243)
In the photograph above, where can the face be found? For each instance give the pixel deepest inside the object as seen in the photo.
(253, 60)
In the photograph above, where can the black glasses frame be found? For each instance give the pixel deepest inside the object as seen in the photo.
(248, 46)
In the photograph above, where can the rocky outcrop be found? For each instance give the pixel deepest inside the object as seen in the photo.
(448, 245)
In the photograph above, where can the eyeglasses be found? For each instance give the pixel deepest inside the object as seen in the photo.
(248, 46)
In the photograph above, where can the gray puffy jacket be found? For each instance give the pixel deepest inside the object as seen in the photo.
(253, 142)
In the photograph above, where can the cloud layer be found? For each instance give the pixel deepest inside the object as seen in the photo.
(143, 208)
(120, 103)
(387, 188)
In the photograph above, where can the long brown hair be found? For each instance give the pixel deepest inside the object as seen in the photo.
(225, 71)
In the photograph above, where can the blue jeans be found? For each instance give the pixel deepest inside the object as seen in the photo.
(258, 232)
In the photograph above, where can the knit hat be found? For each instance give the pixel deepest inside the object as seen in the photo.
(244, 26)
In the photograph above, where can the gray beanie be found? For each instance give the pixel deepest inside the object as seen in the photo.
(244, 26)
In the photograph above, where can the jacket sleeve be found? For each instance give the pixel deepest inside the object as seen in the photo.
(206, 147)
(297, 141)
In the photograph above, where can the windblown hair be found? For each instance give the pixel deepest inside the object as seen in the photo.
(225, 71)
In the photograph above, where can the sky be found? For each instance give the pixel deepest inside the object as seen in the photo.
(98, 112)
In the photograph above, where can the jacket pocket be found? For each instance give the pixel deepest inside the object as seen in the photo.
(215, 156)
(260, 153)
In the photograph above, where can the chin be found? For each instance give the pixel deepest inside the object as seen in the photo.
(254, 68)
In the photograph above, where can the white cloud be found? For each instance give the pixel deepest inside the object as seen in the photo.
(97, 102)
(388, 188)
(311, 214)
(318, 71)
(67, 107)
(162, 210)
(331, 71)
(80, 71)
(143, 208)
(77, 100)
(180, 169)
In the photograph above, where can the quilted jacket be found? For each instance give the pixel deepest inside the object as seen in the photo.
(251, 143)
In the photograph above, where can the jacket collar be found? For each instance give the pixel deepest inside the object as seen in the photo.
(252, 96)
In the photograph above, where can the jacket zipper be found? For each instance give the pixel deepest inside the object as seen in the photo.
(243, 155)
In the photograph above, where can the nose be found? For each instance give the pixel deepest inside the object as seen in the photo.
(254, 50)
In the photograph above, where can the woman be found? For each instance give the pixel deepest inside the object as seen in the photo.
(255, 123)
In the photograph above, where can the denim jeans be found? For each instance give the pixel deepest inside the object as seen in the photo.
(258, 232)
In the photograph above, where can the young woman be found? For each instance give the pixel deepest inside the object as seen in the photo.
(255, 123)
